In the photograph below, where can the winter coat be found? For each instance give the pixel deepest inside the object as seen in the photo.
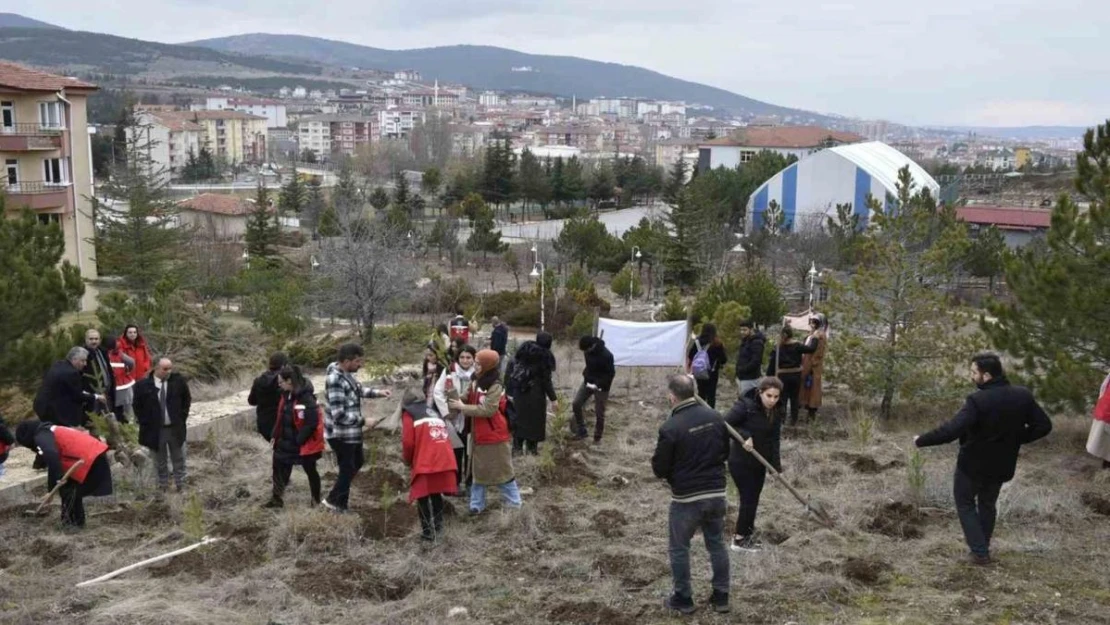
(61, 447)
(718, 357)
(148, 408)
(453, 380)
(492, 452)
(62, 398)
(600, 369)
(813, 368)
(343, 419)
(264, 396)
(749, 360)
(140, 352)
(499, 339)
(992, 425)
(787, 358)
(691, 452)
(425, 443)
(123, 369)
(298, 435)
(529, 386)
(752, 420)
(97, 376)
(545, 340)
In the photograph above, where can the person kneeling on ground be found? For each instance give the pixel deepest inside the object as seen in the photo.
(298, 435)
(60, 448)
(492, 458)
(690, 454)
(758, 418)
(993, 424)
(426, 449)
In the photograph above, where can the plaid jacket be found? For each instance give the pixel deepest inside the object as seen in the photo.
(343, 411)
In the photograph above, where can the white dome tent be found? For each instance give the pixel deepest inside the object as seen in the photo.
(809, 190)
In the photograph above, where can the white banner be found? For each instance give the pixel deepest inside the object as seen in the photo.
(636, 344)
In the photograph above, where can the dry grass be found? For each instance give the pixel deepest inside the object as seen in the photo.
(589, 546)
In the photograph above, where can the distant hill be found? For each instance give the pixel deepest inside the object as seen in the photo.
(1022, 133)
(79, 51)
(13, 20)
(486, 67)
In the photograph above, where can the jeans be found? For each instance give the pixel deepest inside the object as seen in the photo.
(747, 385)
(350, 460)
(282, 472)
(521, 445)
(580, 398)
(510, 495)
(686, 519)
(791, 388)
(170, 450)
(749, 483)
(431, 515)
(975, 505)
(707, 389)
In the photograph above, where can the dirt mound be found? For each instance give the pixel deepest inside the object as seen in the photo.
(635, 572)
(897, 520)
(610, 523)
(774, 536)
(865, 464)
(348, 579)
(554, 519)
(864, 570)
(140, 513)
(567, 470)
(240, 551)
(589, 613)
(372, 483)
(396, 521)
(1097, 503)
(52, 553)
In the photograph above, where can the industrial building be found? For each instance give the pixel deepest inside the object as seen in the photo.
(809, 190)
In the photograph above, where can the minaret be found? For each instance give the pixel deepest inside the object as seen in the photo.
(435, 101)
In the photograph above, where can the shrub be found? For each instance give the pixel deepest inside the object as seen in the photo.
(408, 332)
(673, 308)
(578, 280)
(727, 318)
(500, 304)
(582, 324)
(316, 352)
(626, 283)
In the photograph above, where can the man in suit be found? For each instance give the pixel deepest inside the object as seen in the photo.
(63, 398)
(162, 402)
(97, 375)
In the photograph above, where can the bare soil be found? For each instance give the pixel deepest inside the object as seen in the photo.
(589, 546)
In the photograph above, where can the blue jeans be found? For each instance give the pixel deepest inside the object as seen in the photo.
(686, 519)
(976, 506)
(510, 494)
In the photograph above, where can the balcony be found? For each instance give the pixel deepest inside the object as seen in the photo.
(37, 195)
(29, 138)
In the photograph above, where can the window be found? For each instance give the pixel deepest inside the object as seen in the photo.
(49, 218)
(12, 167)
(746, 156)
(7, 116)
(54, 171)
(50, 115)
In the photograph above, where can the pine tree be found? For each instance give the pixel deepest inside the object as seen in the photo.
(263, 231)
(601, 184)
(986, 256)
(1056, 323)
(680, 259)
(314, 204)
(484, 237)
(574, 181)
(379, 198)
(293, 196)
(401, 192)
(675, 182)
(535, 186)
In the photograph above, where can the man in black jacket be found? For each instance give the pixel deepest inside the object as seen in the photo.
(97, 375)
(62, 398)
(690, 455)
(597, 379)
(265, 394)
(162, 402)
(499, 341)
(749, 361)
(992, 426)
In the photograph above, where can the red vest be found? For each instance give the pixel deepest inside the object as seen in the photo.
(124, 378)
(315, 443)
(459, 330)
(4, 447)
(493, 430)
(425, 445)
(73, 446)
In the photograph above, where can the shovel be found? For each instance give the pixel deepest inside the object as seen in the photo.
(45, 500)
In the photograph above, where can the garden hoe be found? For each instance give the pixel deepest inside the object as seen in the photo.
(45, 500)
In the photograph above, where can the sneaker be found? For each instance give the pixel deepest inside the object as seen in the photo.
(274, 503)
(680, 604)
(979, 559)
(527, 490)
(475, 512)
(745, 543)
(330, 507)
(579, 436)
(719, 601)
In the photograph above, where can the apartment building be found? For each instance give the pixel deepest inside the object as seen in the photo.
(329, 135)
(273, 110)
(397, 123)
(44, 143)
(171, 137)
(233, 136)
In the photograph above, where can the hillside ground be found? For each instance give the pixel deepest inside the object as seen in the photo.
(590, 545)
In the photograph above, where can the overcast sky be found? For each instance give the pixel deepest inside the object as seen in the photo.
(1008, 63)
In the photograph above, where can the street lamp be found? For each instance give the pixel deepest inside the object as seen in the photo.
(636, 255)
(813, 275)
(539, 272)
(246, 259)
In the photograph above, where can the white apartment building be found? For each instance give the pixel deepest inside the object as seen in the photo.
(315, 134)
(171, 136)
(273, 110)
(489, 98)
(397, 123)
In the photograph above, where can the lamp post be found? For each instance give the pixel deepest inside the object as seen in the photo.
(538, 271)
(813, 275)
(636, 255)
(246, 259)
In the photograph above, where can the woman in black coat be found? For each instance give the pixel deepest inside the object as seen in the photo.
(529, 386)
(758, 417)
(298, 437)
(707, 388)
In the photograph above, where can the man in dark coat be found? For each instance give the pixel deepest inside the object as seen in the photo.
(690, 454)
(62, 398)
(97, 375)
(529, 386)
(597, 378)
(162, 402)
(265, 394)
(749, 361)
(992, 426)
(499, 341)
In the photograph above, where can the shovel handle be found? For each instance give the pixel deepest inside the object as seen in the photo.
(58, 486)
(770, 469)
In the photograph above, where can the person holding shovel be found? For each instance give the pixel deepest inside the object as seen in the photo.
(758, 418)
(61, 448)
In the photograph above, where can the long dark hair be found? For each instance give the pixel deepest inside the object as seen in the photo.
(708, 335)
(294, 375)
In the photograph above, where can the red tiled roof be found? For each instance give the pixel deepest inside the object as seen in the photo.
(784, 137)
(1006, 218)
(16, 76)
(217, 204)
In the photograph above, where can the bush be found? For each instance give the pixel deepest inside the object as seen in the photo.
(578, 280)
(590, 299)
(316, 352)
(727, 318)
(500, 304)
(626, 282)
(407, 332)
(673, 308)
(726, 289)
(583, 324)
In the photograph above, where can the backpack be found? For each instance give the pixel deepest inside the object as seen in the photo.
(700, 365)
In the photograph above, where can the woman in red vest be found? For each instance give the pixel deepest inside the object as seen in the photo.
(134, 345)
(123, 370)
(426, 449)
(60, 448)
(298, 434)
(492, 458)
